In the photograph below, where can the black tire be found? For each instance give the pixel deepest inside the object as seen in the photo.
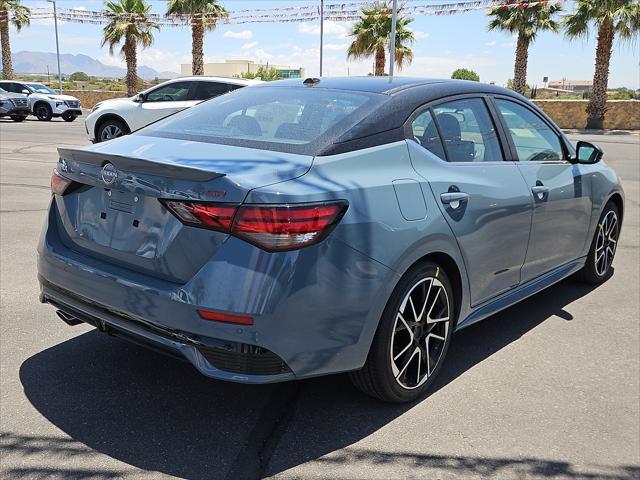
(595, 271)
(18, 118)
(69, 118)
(377, 377)
(109, 129)
(43, 112)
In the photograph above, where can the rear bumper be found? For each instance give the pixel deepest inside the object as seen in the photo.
(210, 357)
(315, 310)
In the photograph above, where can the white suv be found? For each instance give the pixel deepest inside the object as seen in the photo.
(120, 116)
(44, 102)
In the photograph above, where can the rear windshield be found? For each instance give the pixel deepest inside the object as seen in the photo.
(288, 119)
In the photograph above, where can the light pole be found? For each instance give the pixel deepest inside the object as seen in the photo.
(321, 32)
(392, 46)
(55, 23)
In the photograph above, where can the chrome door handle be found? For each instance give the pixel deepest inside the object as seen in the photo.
(539, 191)
(454, 199)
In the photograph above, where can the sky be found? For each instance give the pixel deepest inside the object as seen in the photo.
(443, 43)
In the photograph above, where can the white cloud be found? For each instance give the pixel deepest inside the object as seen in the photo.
(331, 29)
(74, 40)
(434, 66)
(418, 35)
(335, 47)
(155, 58)
(491, 43)
(249, 46)
(243, 35)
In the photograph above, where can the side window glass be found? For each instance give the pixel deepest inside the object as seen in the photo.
(174, 92)
(533, 139)
(426, 134)
(207, 90)
(468, 131)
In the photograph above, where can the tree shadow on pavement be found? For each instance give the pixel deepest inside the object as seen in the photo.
(155, 413)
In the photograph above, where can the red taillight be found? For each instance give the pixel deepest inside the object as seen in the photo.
(287, 227)
(213, 216)
(58, 183)
(270, 227)
(225, 317)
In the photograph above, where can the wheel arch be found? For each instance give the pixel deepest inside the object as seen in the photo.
(109, 116)
(38, 102)
(453, 271)
(618, 201)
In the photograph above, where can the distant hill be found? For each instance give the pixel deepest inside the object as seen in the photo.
(36, 62)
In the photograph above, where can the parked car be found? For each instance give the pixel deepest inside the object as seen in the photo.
(44, 102)
(304, 228)
(119, 116)
(13, 105)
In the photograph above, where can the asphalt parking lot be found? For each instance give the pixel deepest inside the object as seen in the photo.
(545, 389)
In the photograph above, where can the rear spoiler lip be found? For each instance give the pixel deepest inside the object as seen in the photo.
(137, 165)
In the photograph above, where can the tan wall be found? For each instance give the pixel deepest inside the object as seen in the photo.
(88, 98)
(572, 114)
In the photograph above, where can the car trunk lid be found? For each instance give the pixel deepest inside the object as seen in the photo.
(112, 211)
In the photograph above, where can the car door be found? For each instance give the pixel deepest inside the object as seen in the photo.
(163, 101)
(483, 198)
(560, 190)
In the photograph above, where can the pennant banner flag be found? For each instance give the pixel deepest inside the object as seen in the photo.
(336, 12)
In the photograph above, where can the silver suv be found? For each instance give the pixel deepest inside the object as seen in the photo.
(14, 105)
(44, 102)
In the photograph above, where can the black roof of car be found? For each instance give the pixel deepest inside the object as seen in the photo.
(396, 85)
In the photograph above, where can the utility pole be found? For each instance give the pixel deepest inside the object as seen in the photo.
(321, 32)
(55, 23)
(392, 46)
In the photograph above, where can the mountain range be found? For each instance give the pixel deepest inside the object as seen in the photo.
(37, 62)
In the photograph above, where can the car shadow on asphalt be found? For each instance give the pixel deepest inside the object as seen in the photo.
(156, 413)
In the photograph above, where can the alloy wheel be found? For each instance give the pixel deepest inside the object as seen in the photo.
(606, 242)
(111, 131)
(420, 333)
(42, 113)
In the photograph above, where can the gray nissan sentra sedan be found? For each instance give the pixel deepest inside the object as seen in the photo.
(303, 228)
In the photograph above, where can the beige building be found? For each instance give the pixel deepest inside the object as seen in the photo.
(235, 68)
(576, 86)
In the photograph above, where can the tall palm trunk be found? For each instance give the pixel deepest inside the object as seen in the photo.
(7, 67)
(132, 65)
(197, 38)
(381, 59)
(597, 107)
(520, 68)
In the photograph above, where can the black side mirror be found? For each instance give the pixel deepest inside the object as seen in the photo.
(140, 98)
(588, 153)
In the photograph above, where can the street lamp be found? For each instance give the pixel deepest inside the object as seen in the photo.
(392, 46)
(55, 23)
(321, 33)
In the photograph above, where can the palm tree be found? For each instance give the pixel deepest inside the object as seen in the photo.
(525, 21)
(11, 11)
(372, 37)
(204, 16)
(128, 23)
(611, 18)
